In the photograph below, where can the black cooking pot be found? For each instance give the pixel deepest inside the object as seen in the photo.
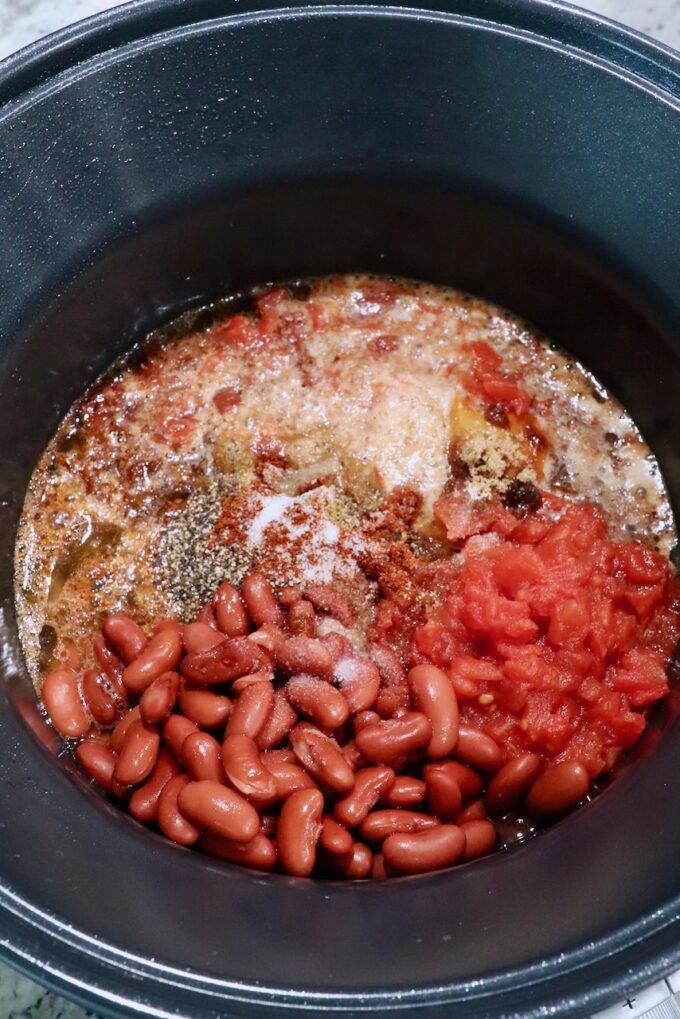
(171, 151)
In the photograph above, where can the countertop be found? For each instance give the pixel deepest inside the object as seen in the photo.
(23, 21)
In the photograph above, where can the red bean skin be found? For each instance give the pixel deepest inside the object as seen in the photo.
(476, 748)
(259, 854)
(334, 837)
(138, 754)
(126, 635)
(369, 785)
(251, 710)
(382, 823)
(510, 784)
(480, 839)
(246, 771)
(62, 702)
(230, 612)
(171, 821)
(405, 792)
(98, 761)
(444, 796)
(232, 658)
(119, 733)
(159, 698)
(214, 808)
(387, 740)
(318, 700)
(474, 811)
(260, 600)
(207, 710)
(175, 730)
(304, 655)
(278, 724)
(558, 790)
(199, 637)
(161, 654)
(433, 694)
(111, 664)
(143, 803)
(321, 757)
(298, 832)
(202, 758)
(423, 851)
(99, 698)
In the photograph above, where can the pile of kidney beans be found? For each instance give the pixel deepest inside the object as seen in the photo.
(248, 735)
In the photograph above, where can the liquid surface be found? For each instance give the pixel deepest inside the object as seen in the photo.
(300, 437)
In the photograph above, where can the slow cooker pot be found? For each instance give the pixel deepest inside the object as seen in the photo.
(168, 152)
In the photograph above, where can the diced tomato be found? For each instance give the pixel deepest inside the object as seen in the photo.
(238, 331)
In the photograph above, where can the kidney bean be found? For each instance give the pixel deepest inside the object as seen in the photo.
(301, 620)
(480, 839)
(98, 761)
(159, 698)
(230, 612)
(143, 803)
(288, 776)
(334, 837)
(444, 797)
(322, 758)
(245, 770)
(405, 792)
(198, 637)
(202, 758)
(318, 700)
(469, 781)
(280, 721)
(365, 718)
(269, 637)
(476, 748)
(558, 790)
(127, 637)
(169, 624)
(474, 811)
(283, 756)
(207, 615)
(392, 701)
(119, 789)
(62, 703)
(208, 710)
(387, 740)
(161, 654)
(298, 831)
(120, 732)
(231, 658)
(251, 710)
(433, 694)
(138, 754)
(111, 665)
(337, 645)
(304, 655)
(215, 808)
(260, 853)
(369, 785)
(392, 672)
(99, 698)
(175, 731)
(359, 681)
(171, 821)
(378, 871)
(359, 864)
(239, 685)
(511, 783)
(353, 755)
(419, 852)
(328, 599)
(381, 823)
(260, 600)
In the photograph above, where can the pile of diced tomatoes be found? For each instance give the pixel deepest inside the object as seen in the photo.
(556, 638)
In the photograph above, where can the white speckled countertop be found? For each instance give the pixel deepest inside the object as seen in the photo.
(23, 21)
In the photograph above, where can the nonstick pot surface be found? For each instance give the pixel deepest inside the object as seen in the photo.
(167, 152)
